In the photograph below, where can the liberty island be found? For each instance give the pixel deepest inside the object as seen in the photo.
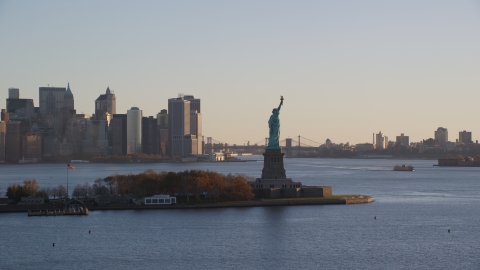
(274, 182)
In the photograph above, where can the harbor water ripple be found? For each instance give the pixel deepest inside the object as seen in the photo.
(413, 212)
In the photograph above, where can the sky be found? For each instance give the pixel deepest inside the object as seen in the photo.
(346, 68)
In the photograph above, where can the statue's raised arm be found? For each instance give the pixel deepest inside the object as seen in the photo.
(281, 103)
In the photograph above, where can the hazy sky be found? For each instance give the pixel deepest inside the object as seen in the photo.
(347, 69)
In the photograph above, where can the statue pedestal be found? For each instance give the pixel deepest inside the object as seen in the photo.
(275, 184)
(273, 164)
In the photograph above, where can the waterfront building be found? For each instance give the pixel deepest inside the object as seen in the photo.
(196, 128)
(19, 108)
(134, 130)
(96, 142)
(3, 130)
(381, 141)
(105, 103)
(119, 134)
(149, 135)
(194, 103)
(13, 142)
(441, 136)
(182, 142)
(32, 146)
(13, 93)
(402, 140)
(5, 116)
(360, 147)
(465, 137)
(51, 100)
(162, 127)
(75, 133)
(67, 113)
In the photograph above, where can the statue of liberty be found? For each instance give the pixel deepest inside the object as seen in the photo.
(274, 126)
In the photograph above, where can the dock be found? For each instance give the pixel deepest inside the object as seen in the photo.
(58, 212)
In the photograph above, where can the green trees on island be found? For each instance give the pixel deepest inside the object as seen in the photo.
(194, 185)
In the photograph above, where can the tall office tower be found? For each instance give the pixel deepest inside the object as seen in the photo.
(403, 140)
(3, 130)
(465, 137)
(5, 116)
(32, 146)
(382, 141)
(196, 128)
(96, 142)
(68, 101)
(162, 127)
(105, 103)
(119, 134)
(13, 93)
(179, 126)
(74, 134)
(51, 100)
(134, 131)
(67, 113)
(194, 103)
(13, 145)
(20, 108)
(149, 136)
(441, 136)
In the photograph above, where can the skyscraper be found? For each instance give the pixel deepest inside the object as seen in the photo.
(162, 126)
(119, 134)
(196, 128)
(51, 100)
(3, 130)
(403, 140)
(464, 137)
(13, 93)
(381, 141)
(182, 135)
(13, 143)
(105, 103)
(68, 101)
(134, 130)
(149, 135)
(441, 136)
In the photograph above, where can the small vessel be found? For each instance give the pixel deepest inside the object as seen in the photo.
(403, 168)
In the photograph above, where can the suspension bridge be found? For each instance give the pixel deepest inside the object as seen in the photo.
(290, 146)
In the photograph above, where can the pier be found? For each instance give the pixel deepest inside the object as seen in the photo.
(59, 212)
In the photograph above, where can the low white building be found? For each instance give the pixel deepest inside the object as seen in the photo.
(217, 156)
(159, 199)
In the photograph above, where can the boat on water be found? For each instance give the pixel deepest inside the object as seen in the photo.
(403, 168)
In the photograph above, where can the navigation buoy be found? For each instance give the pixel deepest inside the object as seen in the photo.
(374, 217)
(53, 244)
(89, 231)
(448, 230)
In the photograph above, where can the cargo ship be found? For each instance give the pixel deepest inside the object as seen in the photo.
(403, 168)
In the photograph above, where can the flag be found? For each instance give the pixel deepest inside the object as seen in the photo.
(70, 167)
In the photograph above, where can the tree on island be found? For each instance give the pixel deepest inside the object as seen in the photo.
(203, 185)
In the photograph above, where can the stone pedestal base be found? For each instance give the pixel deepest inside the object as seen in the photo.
(273, 164)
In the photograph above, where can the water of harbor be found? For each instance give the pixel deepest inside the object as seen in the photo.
(413, 210)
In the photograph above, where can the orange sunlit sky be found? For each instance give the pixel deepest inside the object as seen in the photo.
(346, 68)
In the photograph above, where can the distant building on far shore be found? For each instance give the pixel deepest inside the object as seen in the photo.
(402, 140)
(465, 137)
(381, 141)
(441, 136)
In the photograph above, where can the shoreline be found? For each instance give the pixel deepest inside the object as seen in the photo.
(350, 199)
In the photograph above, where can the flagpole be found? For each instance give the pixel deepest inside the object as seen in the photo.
(67, 182)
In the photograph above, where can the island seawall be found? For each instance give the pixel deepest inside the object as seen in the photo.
(348, 199)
